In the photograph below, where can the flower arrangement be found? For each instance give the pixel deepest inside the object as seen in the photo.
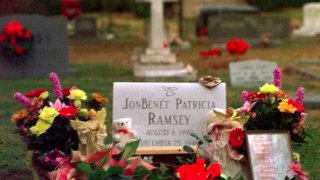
(65, 137)
(272, 109)
(15, 39)
(71, 9)
(237, 46)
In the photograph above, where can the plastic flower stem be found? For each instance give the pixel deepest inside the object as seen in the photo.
(300, 95)
(277, 77)
(56, 85)
(22, 99)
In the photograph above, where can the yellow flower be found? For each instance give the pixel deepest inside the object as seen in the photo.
(48, 114)
(269, 89)
(40, 127)
(77, 94)
(44, 95)
(285, 107)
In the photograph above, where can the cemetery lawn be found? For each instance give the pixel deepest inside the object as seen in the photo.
(98, 64)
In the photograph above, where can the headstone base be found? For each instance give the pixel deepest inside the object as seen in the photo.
(165, 72)
(306, 31)
(158, 56)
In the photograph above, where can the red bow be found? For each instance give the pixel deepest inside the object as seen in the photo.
(124, 131)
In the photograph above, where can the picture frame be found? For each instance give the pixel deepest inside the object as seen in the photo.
(269, 154)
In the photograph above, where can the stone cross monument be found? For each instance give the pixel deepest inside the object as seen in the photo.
(158, 61)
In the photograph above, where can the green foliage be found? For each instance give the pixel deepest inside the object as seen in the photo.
(85, 167)
(128, 151)
(140, 172)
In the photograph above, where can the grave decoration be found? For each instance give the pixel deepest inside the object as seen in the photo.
(65, 137)
(234, 46)
(272, 109)
(269, 110)
(71, 9)
(15, 39)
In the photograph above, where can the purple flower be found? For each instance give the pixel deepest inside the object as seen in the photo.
(300, 95)
(245, 96)
(22, 99)
(55, 81)
(277, 77)
(51, 160)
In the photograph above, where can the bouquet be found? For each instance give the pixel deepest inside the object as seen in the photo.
(53, 128)
(272, 109)
(15, 39)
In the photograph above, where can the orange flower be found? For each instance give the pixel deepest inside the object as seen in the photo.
(98, 97)
(19, 115)
(285, 107)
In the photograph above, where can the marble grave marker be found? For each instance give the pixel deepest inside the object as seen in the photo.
(164, 114)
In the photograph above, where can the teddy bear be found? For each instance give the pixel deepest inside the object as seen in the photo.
(123, 132)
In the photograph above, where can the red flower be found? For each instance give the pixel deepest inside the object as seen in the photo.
(237, 46)
(35, 93)
(68, 111)
(214, 170)
(3, 37)
(19, 50)
(165, 44)
(212, 52)
(13, 28)
(236, 137)
(198, 171)
(71, 8)
(299, 107)
(257, 96)
(66, 92)
(27, 35)
(203, 31)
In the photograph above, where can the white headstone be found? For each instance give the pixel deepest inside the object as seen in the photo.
(251, 73)
(311, 20)
(164, 114)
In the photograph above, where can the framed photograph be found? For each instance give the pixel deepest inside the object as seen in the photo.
(269, 154)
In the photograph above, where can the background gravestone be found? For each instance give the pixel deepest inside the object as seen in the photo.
(247, 26)
(50, 47)
(251, 73)
(86, 27)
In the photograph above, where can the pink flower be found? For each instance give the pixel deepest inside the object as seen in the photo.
(137, 161)
(55, 81)
(277, 77)
(247, 106)
(22, 99)
(245, 96)
(300, 95)
(295, 169)
(58, 105)
(112, 161)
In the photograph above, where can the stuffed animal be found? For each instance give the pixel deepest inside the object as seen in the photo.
(123, 132)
